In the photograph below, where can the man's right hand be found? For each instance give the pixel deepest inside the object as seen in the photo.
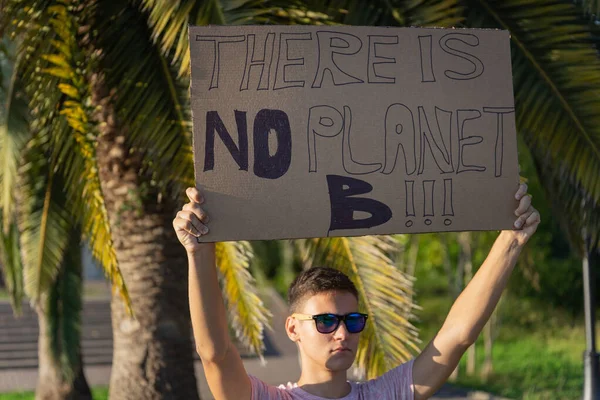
(190, 222)
(223, 366)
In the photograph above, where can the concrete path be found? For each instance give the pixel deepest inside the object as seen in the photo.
(18, 351)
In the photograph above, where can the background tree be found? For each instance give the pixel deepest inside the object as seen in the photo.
(39, 245)
(127, 154)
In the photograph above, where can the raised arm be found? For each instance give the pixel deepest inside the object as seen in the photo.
(221, 361)
(472, 309)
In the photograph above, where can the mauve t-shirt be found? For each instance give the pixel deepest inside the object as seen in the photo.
(395, 384)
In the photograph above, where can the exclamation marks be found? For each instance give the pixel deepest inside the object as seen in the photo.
(410, 202)
(428, 187)
(448, 204)
(429, 202)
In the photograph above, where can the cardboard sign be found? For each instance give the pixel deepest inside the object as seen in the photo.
(314, 131)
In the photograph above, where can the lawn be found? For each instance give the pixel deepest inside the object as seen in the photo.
(99, 393)
(537, 353)
(533, 369)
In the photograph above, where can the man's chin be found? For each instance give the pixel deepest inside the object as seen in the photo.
(340, 362)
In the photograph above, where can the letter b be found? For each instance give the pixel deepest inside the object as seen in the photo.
(341, 188)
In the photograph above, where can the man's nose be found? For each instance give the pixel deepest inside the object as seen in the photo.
(341, 331)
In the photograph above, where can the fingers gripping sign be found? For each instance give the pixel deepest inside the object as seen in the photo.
(528, 218)
(190, 222)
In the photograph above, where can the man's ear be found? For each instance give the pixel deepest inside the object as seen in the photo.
(291, 328)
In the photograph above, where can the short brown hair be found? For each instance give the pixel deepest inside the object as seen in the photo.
(318, 280)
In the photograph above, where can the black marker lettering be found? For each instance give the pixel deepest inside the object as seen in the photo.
(448, 204)
(324, 121)
(410, 198)
(284, 61)
(469, 40)
(434, 140)
(261, 63)
(331, 46)
(372, 75)
(266, 165)
(217, 41)
(462, 116)
(350, 165)
(426, 50)
(399, 134)
(499, 148)
(343, 204)
(215, 124)
(428, 197)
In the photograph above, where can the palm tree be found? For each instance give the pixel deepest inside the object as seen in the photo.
(72, 156)
(557, 82)
(39, 246)
(153, 349)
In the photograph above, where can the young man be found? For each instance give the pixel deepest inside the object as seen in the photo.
(325, 322)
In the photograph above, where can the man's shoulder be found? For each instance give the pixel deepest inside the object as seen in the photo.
(263, 391)
(396, 380)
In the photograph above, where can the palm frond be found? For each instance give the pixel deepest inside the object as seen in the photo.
(273, 263)
(152, 103)
(63, 311)
(247, 314)
(12, 266)
(169, 22)
(44, 224)
(559, 194)
(72, 138)
(385, 293)
(14, 129)
(21, 78)
(440, 13)
(556, 71)
(590, 8)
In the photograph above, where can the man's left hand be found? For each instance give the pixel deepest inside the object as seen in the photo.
(528, 218)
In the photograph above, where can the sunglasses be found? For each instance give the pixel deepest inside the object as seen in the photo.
(328, 323)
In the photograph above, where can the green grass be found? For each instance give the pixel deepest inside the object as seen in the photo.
(532, 369)
(537, 354)
(99, 393)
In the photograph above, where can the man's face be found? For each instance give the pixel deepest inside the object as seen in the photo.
(335, 351)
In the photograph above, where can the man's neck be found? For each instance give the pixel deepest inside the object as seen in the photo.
(323, 383)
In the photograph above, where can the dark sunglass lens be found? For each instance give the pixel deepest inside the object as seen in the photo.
(355, 323)
(326, 323)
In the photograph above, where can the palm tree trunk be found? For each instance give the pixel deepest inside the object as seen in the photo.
(454, 285)
(411, 265)
(153, 352)
(464, 240)
(286, 269)
(459, 280)
(51, 384)
(447, 262)
(413, 254)
(488, 340)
